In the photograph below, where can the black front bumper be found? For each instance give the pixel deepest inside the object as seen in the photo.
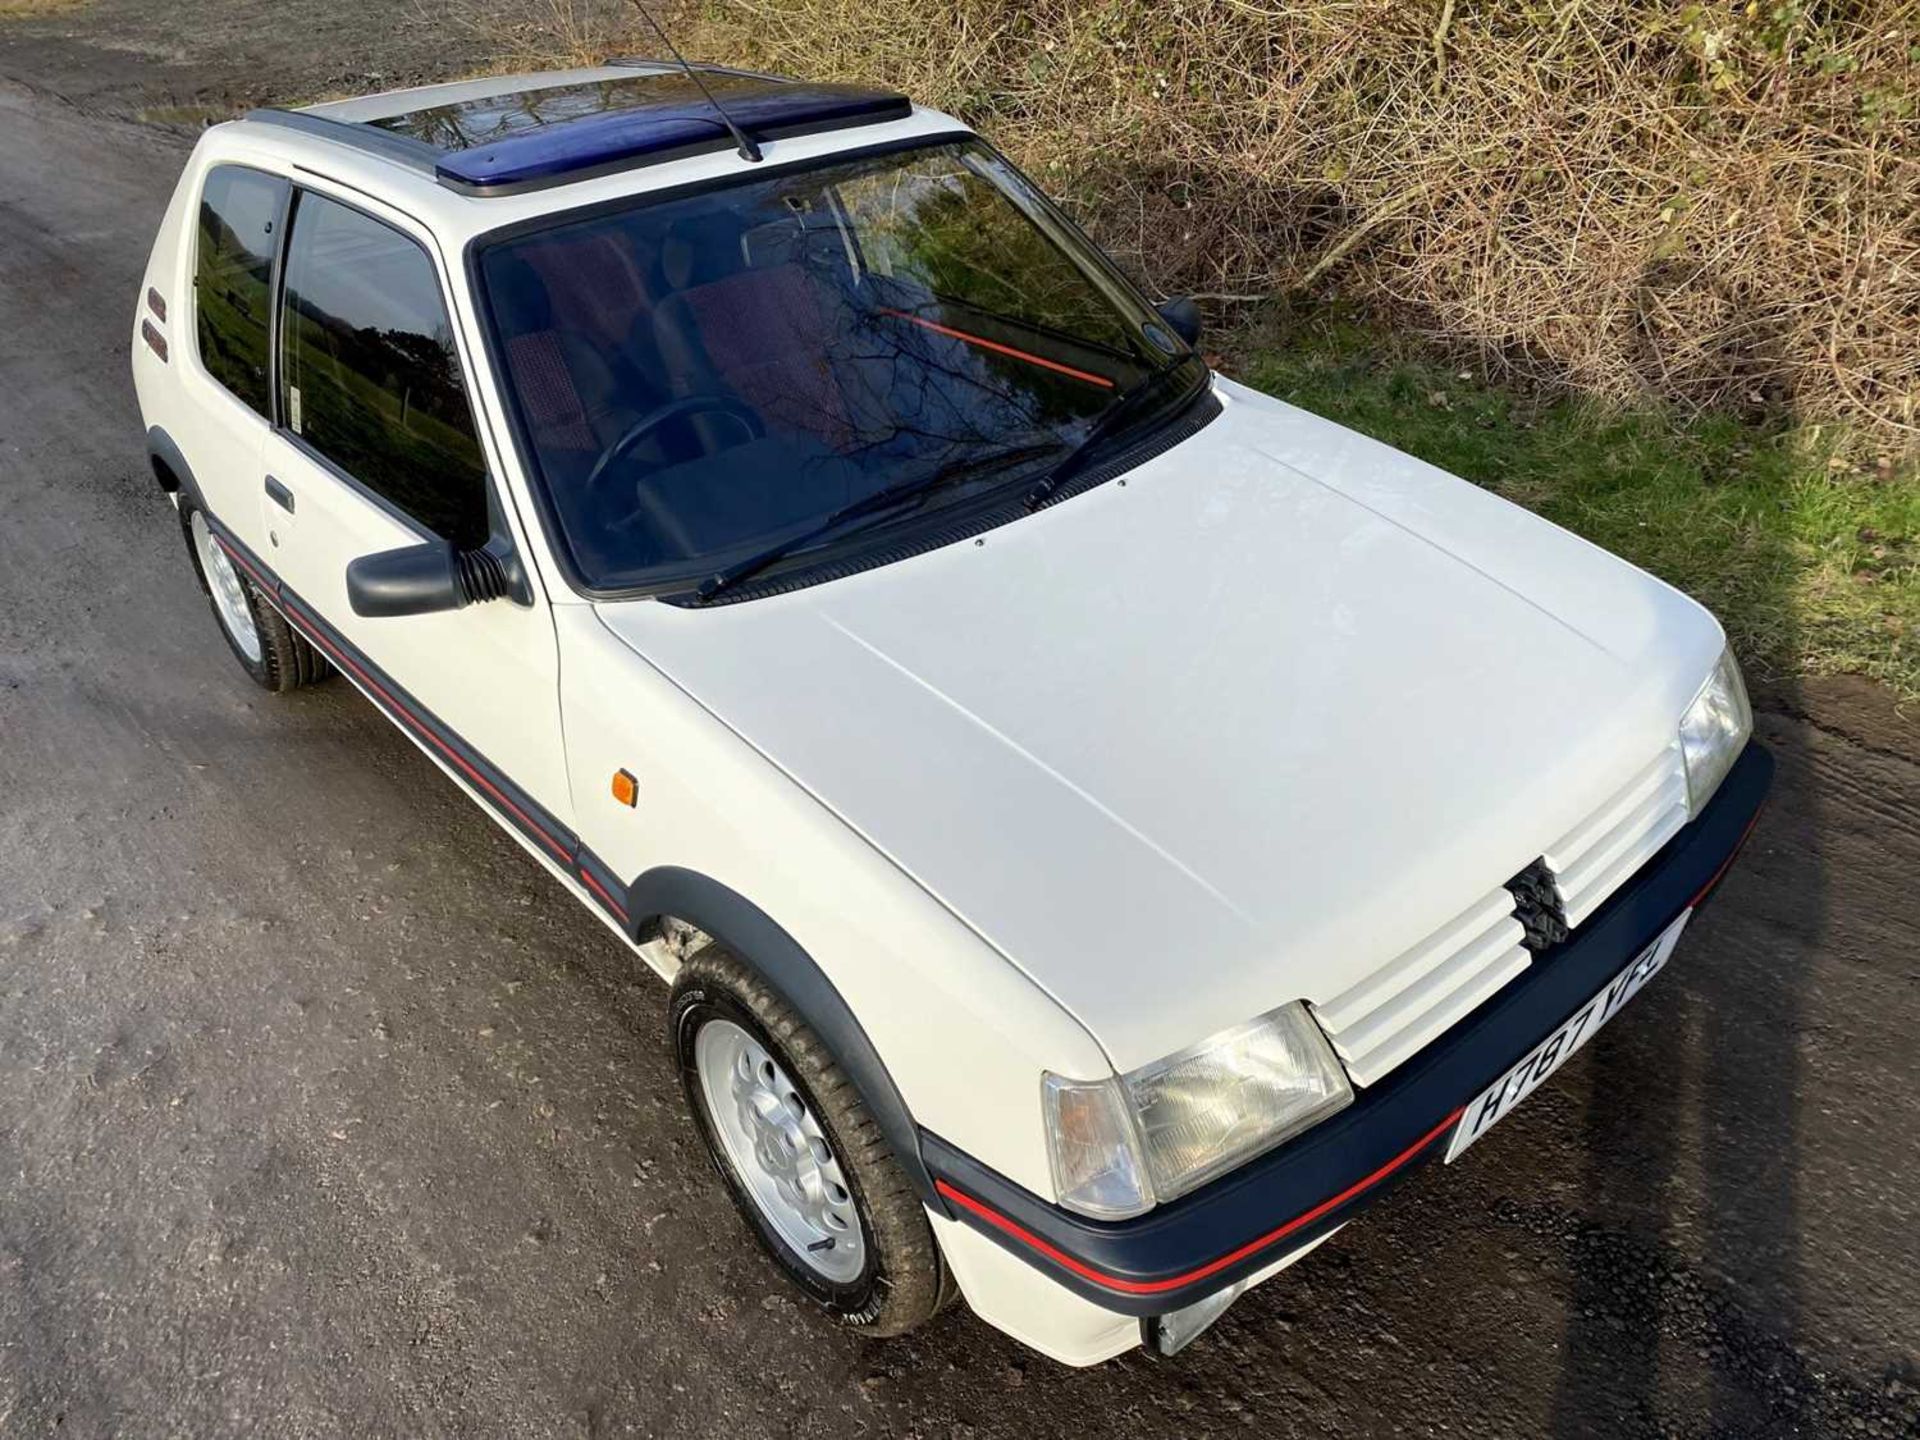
(1180, 1252)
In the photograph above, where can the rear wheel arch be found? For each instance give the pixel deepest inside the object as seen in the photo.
(176, 480)
(759, 941)
(284, 659)
(170, 467)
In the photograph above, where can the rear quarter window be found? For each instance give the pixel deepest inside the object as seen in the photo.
(241, 212)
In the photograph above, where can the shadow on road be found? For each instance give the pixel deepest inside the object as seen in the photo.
(1690, 1145)
(1686, 1245)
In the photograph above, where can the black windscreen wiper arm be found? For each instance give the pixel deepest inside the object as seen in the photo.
(1117, 416)
(891, 497)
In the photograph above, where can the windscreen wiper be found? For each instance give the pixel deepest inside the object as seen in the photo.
(1123, 412)
(891, 497)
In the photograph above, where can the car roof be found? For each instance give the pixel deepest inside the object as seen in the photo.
(473, 155)
(388, 104)
(519, 133)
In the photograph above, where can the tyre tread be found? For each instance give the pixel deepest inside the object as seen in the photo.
(914, 1278)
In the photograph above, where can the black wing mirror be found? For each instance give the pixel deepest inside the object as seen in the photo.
(1183, 318)
(426, 578)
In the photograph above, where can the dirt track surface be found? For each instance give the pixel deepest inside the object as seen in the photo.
(182, 61)
(323, 1111)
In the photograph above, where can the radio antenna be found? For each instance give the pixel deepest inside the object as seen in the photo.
(748, 149)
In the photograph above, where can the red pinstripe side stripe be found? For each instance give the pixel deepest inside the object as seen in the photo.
(245, 564)
(472, 774)
(1213, 1267)
(600, 890)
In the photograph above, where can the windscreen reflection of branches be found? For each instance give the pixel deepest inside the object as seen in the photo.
(843, 330)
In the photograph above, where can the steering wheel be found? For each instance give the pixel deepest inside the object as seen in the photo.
(672, 410)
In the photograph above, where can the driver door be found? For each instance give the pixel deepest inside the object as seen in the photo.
(376, 448)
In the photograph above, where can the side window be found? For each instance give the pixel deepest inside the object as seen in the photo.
(233, 273)
(369, 375)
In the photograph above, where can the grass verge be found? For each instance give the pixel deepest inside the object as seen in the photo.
(1809, 553)
(29, 9)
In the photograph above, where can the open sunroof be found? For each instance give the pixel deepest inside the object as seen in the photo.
(528, 138)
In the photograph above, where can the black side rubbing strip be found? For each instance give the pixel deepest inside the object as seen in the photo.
(607, 888)
(519, 809)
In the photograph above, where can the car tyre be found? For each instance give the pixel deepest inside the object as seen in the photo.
(813, 1166)
(278, 657)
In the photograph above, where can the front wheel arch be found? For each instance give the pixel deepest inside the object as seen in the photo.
(757, 939)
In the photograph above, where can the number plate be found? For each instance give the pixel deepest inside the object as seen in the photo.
(1499, 1098)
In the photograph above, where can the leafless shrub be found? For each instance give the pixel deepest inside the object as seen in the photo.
(1714, 203)
(541, 34)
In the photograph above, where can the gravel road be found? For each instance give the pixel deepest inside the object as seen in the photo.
(323, 1111)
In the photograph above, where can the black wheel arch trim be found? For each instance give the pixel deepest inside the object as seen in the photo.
(1181, 1252)
(759, 941)
(164, 454)
(169, 465)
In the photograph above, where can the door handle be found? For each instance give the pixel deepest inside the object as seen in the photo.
(279, 494)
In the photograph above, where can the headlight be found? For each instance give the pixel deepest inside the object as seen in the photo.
(1122, 1144)
(1714, 730)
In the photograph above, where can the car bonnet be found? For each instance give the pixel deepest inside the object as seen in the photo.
(1232, 733)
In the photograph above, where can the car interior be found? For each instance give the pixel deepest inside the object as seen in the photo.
(704, 376)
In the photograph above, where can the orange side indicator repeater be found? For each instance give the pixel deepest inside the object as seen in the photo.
(626, 789)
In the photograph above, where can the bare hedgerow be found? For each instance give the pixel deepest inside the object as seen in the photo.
(1712, 203)
(543, 34)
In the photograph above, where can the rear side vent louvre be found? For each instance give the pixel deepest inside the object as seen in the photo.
(1410, 1000)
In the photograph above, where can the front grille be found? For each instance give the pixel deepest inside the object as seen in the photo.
(1409, 1001)
(1598, 856)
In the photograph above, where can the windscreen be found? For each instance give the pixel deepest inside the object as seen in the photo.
(700, 377)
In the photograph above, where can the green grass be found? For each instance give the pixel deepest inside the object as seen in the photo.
(1811, 560)
(35, 9)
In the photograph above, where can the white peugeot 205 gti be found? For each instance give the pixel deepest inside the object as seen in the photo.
(1101, 825)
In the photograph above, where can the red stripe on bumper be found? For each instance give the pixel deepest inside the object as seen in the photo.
(1727, 864)
(1212, 1267)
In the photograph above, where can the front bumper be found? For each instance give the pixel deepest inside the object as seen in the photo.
(1282, 1202)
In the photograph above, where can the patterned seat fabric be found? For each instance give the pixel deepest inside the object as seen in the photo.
(554, 412)
(761, 334)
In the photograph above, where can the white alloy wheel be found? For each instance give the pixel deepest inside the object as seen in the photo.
(229, 591)
(779, 1152)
